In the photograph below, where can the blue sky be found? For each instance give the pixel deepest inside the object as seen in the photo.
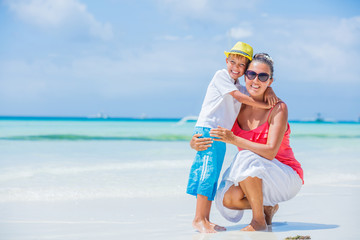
(129, 58)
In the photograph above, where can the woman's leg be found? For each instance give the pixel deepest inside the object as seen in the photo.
(234, 198)
(252, 188)
(269, 212)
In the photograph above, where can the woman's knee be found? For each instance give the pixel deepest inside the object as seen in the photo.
(228, 200)
(232, 197)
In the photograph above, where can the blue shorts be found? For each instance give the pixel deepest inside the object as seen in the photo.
(205, 170)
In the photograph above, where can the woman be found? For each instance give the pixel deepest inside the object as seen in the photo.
(265, 171)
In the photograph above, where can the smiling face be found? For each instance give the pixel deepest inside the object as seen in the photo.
(236, 65)
(255, 87)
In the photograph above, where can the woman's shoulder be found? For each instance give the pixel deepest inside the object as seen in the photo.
(280, 110)
(280, 106)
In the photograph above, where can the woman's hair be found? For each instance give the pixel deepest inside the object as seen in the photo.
(265, 58)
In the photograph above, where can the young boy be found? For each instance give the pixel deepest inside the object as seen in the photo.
(220, 108)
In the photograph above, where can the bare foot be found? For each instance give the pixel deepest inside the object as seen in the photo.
(204, 226)
(255, 226)
(217, 227)
(269, 212)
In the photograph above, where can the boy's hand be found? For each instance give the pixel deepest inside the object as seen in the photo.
(270, 97)
(200, 144)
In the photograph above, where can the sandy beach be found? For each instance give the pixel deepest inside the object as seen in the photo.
(323, 212)
(114, 189)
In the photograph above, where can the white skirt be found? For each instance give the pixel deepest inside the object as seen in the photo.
(279, 181)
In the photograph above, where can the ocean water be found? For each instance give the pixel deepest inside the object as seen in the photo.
(59, 159)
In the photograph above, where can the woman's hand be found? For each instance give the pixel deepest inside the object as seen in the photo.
(222, 134)
(200, 144)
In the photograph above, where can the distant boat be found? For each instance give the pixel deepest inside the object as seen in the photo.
(99, 115)
(187, 119)
(319, 118)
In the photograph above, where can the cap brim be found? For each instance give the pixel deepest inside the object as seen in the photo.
(228, 53)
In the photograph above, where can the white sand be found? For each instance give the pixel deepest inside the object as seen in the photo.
(48, 190)
(323, 212)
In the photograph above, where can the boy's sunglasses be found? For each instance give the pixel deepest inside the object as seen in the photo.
(263, 77)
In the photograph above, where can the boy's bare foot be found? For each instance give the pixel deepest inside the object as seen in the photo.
(255, 226)
(204, 226)
(217, 227)
(269, 212)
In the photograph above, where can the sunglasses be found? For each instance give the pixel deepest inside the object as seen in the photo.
(251, 75)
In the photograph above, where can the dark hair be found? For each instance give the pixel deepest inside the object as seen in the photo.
(265, 58)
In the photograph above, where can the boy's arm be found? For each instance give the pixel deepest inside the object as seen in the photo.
(243, 98)
(270, 97)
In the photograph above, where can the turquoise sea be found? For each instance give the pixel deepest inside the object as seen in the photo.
(66, 159)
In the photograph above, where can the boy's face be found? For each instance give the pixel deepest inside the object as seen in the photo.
(236, 66)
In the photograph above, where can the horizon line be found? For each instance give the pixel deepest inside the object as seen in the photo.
(109, 118)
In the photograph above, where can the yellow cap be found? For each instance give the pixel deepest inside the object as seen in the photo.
(241, 48)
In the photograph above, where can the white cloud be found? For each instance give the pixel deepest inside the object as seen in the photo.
(26, 80)
(206, 9)
(312, 49)
(59, 13)
(239, 33)
(174, 38)
(164, 67)
(197, 6)
(346, 31)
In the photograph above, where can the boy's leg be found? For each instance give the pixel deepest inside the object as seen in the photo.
(207, 189)
(202, 216)
(203, 183)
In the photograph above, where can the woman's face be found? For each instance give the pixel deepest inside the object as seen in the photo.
(255, 87)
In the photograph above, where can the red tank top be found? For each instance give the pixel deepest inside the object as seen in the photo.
(285, 154)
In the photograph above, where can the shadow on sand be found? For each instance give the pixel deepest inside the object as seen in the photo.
(289, 226)
(298, 226)
(234, 233)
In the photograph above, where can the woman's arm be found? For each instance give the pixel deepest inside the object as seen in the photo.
(278, 126)
(200, 144)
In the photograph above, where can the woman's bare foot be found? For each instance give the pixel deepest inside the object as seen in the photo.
(269, 212)
(255, 226)
(204, 226)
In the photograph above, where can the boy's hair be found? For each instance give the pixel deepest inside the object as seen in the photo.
(238, 56)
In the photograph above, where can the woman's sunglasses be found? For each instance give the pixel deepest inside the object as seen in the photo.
(263, 77)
